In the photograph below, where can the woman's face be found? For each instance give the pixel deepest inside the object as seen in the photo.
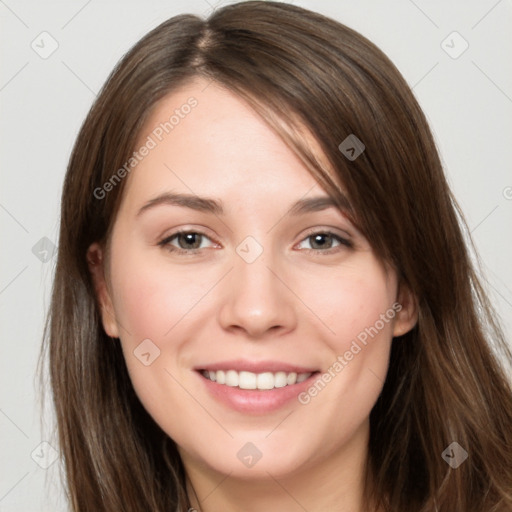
(259, 339)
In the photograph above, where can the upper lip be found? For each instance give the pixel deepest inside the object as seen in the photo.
(241, 365)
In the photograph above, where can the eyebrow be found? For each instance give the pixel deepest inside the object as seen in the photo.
(210, 205)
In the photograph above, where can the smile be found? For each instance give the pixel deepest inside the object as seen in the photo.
(255, 387)
(250, 380)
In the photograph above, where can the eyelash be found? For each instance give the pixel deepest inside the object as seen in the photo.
(165, 243)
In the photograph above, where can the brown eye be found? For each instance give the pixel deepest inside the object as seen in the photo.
(184, 242)
(324, 241)
(321, 241)
(189, 240)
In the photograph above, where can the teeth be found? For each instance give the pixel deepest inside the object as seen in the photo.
(302, 377)
(280, 379)
(231, 378)
(249, 380)
(291, 378)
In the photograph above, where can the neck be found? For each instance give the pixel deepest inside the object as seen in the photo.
(334, 483)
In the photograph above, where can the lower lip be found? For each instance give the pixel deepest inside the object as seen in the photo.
(256, 401)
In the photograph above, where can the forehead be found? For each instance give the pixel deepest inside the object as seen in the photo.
(205, 139)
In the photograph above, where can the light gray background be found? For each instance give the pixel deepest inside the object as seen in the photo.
(44, 101)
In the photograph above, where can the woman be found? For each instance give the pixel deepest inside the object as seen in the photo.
(263, 300)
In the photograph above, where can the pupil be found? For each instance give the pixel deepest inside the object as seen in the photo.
(190, 239)
(316, 239)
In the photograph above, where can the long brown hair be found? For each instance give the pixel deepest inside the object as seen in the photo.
(303, 73)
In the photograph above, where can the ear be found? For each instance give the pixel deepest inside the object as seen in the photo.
(96, 262)
(407, 316)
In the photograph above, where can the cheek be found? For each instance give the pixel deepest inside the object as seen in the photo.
(361, 310)
(353, 303)
(155, 305)
(357, 307)
(151, 299)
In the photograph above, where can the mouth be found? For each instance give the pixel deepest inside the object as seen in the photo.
(255, 381)
(255, 387)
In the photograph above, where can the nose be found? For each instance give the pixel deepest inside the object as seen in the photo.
(257, 300)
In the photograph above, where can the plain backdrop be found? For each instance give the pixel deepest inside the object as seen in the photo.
(44, 97)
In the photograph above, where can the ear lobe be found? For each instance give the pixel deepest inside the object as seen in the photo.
(96, 263)
(407, 317)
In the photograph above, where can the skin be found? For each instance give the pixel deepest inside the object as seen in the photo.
(296, 303)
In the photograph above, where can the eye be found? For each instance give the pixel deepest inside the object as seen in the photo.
(184, 242)
(191, 242)
(324, 241)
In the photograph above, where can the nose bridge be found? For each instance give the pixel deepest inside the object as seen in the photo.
(257, 300)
